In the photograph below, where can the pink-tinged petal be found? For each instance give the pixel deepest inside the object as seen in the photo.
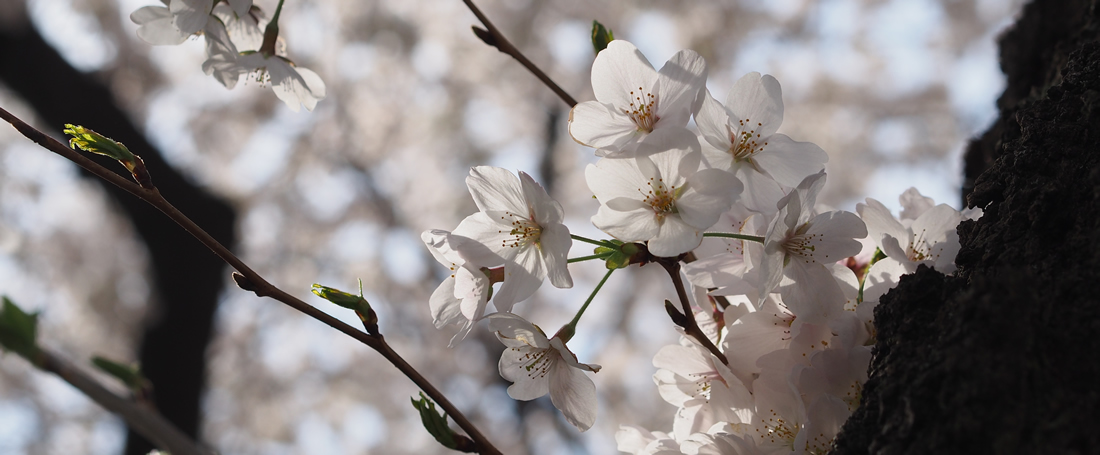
(514, 331)
(934, 224)
(880, 222)
(574, 394)
(601, 126)
(675, 238)
(789, 161)
(481, 240)
(680, 81)
(619, 69)
(713, 121)
(546, 210)
(496, 189)
(522, 278)
(190, 16)
(759, 101)
(472, 288)
(555, 243)
(633, 226)
(437, 242)
(157, 26)
(882, 277)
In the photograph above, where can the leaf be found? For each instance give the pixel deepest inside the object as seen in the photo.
(18, 330)
(436, 424)
(129, 374)
(601, 36)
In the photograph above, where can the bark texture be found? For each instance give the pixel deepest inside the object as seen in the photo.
(1004, 356)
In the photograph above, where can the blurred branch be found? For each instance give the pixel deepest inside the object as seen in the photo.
(248, 279)
(141, 419)
(491, 35)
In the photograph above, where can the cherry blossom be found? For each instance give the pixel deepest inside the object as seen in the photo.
(537, 366)
(929, 238)
(294, 85)
(634, 100)
(519, 226)
(741, 137)
(461, 297)
(661, 196)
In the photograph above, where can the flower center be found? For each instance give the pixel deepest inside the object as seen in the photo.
(919, 250)
(524, 232)
(661, 198)
(537, 362)
(776, 432)
(745, 142)
(643, 110)
(799, 244)
(703, 382)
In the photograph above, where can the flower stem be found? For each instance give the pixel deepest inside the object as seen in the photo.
(691, 328)
(587, 258)
(594, 242)
(725, 235)
(569, 329)
(271, 32)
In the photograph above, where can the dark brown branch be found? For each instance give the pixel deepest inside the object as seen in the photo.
(491, 35)
(256, 283)
(141, 419)
(672, 266)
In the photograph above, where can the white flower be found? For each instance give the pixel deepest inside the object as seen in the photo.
(928, 238)
(660, 196)
(293, 84)
(157, 26)
(740, 137)
(633, 99)
(461, 297)
(704, 389)
(537, 366)
(520, 226)
(799, 244)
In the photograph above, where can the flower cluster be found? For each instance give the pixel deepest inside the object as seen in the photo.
(781, 368)
(236, 45)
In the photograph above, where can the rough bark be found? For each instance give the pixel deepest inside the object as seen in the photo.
(1002, 357)
(186, 277)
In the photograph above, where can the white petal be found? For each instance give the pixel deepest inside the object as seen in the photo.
(759, 100)
(513, 367)
(555, 242)
(481, 240)
(789, 161)
(240, 7)
(445, 308)
(601, 126)
(514, 331)
(674, 238)
(546, 210)
(190, 16)
(497, 190)
(633, 226)
(680, 81)
(713, 121)
(522, 277)
(617, 70)
(834, 236)
(157, 26)
(880, 222)
(914, 204)
(574, 394)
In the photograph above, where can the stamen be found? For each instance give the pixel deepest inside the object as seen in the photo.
(643, 110)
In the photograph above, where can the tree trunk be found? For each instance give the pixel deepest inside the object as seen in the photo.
(1004, 357)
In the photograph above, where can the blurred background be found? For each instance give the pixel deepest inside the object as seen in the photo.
(891, 89)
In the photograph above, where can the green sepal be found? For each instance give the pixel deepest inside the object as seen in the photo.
(352, 302)
(129, 374)
(618, 257)
(90, 141)
(18, 330)
(436, 424)
(601, 36)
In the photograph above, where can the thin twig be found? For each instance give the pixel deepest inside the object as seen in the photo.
(672, 266)
(249, 279)
(491, 35)
(143, 420)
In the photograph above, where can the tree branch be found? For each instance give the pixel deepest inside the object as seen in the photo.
(691, 327)
(491, 35)
(249, 279)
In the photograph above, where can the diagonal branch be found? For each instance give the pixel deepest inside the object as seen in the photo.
(491, 35)
(691, 327)
(248, 279)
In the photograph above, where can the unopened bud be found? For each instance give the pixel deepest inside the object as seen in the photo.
(601, 36)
